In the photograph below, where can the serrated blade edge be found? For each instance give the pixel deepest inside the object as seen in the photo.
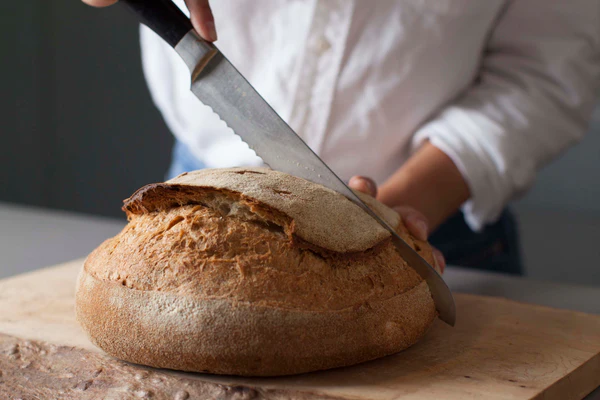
(219, 85)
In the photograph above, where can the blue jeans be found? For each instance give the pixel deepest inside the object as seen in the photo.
(496, 248)
(182, 160)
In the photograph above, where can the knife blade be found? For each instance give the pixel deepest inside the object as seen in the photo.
(219, 85)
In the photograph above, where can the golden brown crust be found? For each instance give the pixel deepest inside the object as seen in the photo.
(193, 249)
(210, 279)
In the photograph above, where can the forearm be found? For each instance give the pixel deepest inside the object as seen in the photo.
(429, 182)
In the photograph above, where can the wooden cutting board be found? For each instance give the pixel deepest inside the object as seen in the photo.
(499, 349)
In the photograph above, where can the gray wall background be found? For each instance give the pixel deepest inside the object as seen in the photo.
(79, 129)
(80, 133)
(560, 216)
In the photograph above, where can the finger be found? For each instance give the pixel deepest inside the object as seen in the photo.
(415, 222)
(439, 259)
(202, 19)
(363, 184)
(99, 3)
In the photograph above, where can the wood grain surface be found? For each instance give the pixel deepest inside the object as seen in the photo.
(499, 349)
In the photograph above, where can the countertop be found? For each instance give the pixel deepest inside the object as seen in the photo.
(31, 238)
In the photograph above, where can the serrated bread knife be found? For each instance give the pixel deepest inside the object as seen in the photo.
(217, 84)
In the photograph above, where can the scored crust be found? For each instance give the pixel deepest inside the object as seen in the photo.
(321, 216)
(219, 279)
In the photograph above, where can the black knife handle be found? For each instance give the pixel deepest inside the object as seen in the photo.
(163, 17)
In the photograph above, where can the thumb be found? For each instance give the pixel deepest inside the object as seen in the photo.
(99, 3)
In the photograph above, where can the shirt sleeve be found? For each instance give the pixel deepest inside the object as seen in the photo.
(537, 87)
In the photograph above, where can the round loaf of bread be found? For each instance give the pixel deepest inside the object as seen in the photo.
(252, 272)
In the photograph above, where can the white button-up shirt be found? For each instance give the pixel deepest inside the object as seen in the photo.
(501, 86)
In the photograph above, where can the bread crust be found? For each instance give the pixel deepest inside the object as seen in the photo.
(322, 216)
(217, 277)
(187, 333)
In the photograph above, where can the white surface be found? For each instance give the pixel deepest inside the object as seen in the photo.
(31, 238)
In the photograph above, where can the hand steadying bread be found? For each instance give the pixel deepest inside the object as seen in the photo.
(252, 272)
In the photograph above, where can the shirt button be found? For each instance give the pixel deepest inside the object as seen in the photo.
(322, 45)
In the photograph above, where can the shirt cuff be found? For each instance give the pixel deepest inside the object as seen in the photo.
(488, 196)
